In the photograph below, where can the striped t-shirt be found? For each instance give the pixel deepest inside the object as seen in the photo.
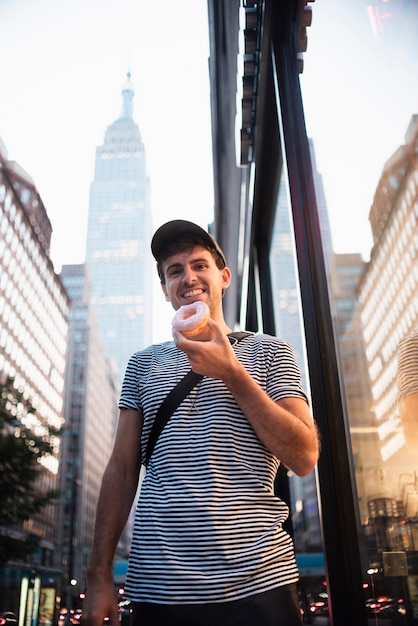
(208, 527)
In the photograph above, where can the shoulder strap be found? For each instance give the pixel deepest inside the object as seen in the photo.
(173, 400)
(167, 408)
(239, 334)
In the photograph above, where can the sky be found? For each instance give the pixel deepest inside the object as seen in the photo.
(62, 67)
(360, 90)
(63, 64)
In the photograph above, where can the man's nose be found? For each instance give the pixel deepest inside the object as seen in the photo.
(189, 276)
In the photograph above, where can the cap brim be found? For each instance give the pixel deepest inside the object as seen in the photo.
(176, 229)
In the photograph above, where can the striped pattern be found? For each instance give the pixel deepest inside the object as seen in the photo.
(407, 370)
(208, 526)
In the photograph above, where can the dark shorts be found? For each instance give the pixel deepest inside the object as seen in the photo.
(279, 607)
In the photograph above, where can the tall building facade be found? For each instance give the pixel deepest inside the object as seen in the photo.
(33, 340)
(388, 297)
(389, 288)
(118, 235)
(90, 411)
(347, 272)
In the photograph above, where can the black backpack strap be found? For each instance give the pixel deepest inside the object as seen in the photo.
(167, 408)
(239, 335)
(173, 400)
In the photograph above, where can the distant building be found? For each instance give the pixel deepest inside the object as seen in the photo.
(287, 316)
(346, 276)
(323, 215)
(90, 411)
(33, 340)
(118, 235)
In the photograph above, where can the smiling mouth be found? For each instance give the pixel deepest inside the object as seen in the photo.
(191, 293)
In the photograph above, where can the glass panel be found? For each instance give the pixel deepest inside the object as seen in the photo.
(304, 501)
(360, 98)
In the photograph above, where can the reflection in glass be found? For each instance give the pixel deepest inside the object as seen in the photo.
(365, 129)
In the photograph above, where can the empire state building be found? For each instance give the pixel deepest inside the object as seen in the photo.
(118, 235)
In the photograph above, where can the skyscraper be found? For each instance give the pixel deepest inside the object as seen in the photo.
(388, 294)
(33, 342)
(90, 412)
(118, 234)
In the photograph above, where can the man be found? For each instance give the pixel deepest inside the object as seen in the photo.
(208, 545)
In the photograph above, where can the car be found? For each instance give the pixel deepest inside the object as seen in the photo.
(317, 608)
(75, 616)
(125, 611)
(385, 606)
(8, 618)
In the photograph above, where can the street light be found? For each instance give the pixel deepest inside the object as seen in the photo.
(371, 571)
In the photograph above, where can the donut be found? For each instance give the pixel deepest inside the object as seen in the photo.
(191, 319)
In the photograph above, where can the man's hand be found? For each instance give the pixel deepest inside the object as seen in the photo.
(100, 602)
(214, 357)
(285, 427)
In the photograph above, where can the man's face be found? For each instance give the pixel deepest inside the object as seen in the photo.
(192, 275)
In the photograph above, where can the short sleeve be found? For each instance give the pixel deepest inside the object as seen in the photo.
(136, 375)
(284, 377)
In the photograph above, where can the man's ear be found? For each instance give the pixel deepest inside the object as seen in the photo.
(226, 277)
(163, 287)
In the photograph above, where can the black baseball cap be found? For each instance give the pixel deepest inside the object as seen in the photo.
(178, 228)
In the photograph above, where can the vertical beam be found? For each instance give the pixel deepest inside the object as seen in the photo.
(336, 478)
(223, 17)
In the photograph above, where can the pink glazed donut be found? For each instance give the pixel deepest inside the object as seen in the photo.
(191, 319)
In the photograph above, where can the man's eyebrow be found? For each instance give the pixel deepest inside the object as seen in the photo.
(199, 260)
(173, 265)
(179, 265)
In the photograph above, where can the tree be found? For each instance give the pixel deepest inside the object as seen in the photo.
(25, 442)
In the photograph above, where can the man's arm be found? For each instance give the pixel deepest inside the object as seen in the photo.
(286, 427)
(117, 493)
